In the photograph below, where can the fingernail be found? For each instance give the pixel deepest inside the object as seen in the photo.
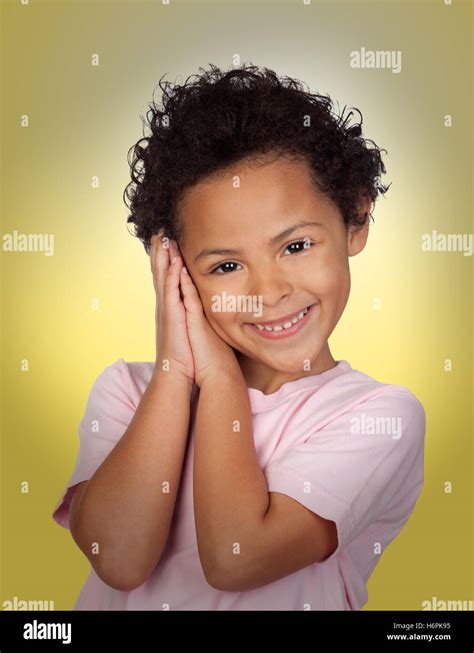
(185, 270)
(173, 259)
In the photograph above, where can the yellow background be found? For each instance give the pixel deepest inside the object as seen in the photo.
(82, 121)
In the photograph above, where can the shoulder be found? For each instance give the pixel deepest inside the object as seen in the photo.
(352, 392)
(384, 409)
(363, 406)
(391, 398)
(368, 389)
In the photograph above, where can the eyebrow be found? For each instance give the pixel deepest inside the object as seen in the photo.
(284, 234)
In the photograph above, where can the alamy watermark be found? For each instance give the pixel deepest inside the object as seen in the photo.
(27, 604)
(439, 604)
(363, 58)
(16, 242)
(225, 303)
(439, 242)
(366, 425)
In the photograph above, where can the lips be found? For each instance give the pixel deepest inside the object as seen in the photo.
(283, 327)
(284, 323)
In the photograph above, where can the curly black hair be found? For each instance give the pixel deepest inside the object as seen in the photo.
(218, 118)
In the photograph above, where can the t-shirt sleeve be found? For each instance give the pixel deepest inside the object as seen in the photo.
(108, 412)
(363, 468)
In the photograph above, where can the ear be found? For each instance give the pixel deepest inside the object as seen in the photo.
(357, 235)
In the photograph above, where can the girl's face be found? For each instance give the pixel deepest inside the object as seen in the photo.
(262, 245)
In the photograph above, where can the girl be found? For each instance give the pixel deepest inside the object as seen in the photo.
(245, 468)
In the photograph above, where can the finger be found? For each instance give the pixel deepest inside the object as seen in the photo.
(154, 244)
(171, 285)
(191, 298)
(174, 249)
(161, 262)
(152, 252)
(162, 251)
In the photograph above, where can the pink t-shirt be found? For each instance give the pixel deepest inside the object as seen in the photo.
(346, 446)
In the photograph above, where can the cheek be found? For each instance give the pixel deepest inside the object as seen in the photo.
(204, 292)
(331, 278)
(219, 317)
(206, 297)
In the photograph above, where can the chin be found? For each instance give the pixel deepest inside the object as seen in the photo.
(294, 365)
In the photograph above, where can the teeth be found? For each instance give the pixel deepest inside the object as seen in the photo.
(286, 325)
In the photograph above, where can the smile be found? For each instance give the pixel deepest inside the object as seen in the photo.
(286, 327)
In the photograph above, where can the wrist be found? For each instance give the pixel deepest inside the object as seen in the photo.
(171, 377)
(232, 376)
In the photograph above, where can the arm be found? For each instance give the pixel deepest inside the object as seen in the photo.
(247, 537)
(127, 506)
(124, 508)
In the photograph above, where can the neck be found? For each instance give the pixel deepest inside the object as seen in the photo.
(268, 380)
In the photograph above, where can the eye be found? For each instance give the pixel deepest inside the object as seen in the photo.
(223, 266)
(300, 245)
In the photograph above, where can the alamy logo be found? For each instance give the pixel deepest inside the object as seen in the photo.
(40, 630)
(439, 242)
(377, 59)
(225, 303)
(27, 604)
(439, 604)
(16, 242)
(366, 425)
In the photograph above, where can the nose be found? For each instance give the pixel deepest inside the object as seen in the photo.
(270, 282)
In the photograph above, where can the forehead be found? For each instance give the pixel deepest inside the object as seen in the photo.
(252, 194)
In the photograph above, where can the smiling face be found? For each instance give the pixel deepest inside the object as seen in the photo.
(263, 233)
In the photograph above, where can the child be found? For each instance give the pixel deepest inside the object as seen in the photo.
(245, 468)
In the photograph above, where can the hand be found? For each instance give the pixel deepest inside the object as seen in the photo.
(172, 342)
(212, 356)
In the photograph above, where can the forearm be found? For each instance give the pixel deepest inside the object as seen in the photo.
(230, 489)
(127, 506)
